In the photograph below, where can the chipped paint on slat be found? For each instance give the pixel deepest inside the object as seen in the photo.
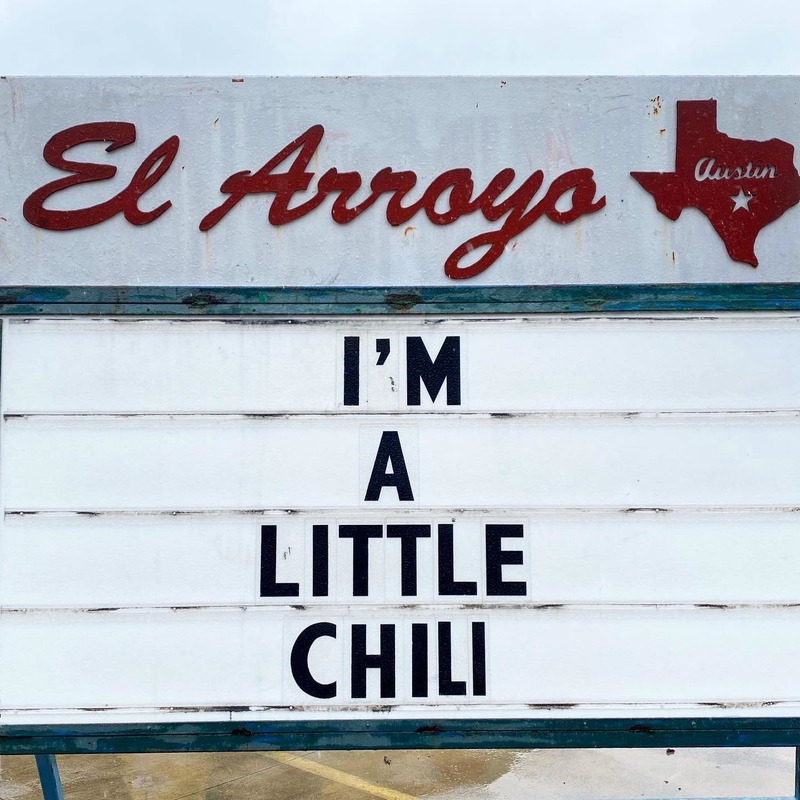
(341, 608)
(476, 511)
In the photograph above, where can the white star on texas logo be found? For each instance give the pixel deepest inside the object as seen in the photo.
(741, 200)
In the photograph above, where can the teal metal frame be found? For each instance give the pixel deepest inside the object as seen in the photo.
(300, 301)
(387, 734)
(382, 733)
(379, 732)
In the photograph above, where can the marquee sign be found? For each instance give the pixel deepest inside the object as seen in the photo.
(217, 508)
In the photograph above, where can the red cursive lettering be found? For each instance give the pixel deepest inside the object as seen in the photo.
(456, 185)
(119, 134)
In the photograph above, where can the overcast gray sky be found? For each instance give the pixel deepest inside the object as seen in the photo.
(307, 37)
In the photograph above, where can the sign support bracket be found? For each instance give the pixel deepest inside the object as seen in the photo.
(49, 778)
(797, 773)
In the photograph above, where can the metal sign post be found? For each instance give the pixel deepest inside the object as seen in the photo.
(47, 767)
(494, 446)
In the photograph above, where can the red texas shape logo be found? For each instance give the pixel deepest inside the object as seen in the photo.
(739, 184)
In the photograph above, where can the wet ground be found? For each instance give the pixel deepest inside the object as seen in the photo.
(409, 774)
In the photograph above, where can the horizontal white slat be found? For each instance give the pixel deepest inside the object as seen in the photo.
(516, 364)
(201, 462)
(124, 560)
(240, 658)
(156, 365)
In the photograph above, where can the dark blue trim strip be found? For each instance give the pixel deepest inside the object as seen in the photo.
(248, 301)
(400, 734)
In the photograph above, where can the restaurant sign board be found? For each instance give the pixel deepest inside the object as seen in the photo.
(286, 442)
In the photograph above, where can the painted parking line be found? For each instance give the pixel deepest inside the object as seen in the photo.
(338, 776)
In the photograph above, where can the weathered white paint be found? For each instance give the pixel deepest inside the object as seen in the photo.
(615, 661)
(196, 463)
(62, 561)
(733, 362)
(429, 125)
(651, 462)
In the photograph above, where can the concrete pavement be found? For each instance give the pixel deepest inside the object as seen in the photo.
(410, 774)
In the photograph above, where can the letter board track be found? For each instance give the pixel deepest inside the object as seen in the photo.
(433, 517)
(305, 493)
